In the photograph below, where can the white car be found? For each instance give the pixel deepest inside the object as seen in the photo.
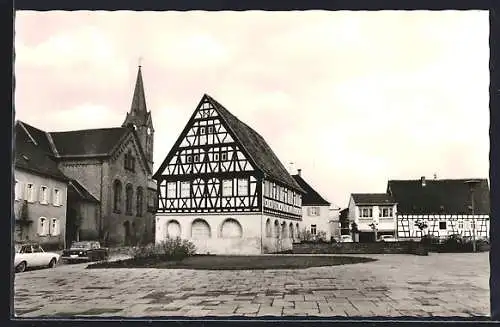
(32, 255)
(387, 238)
(345, 239)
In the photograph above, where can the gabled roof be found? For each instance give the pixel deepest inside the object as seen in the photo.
(254, 145)
(33, 153)
(81, 191)
(372, 198)
(311, 197)
(440, 196)
(88, 142)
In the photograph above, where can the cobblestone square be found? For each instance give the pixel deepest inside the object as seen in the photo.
(394, 285)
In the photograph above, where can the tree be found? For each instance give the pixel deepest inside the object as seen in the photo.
(420, 224)
(354, 230)
(373, 226)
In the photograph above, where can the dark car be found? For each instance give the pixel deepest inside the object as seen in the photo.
(85, 251)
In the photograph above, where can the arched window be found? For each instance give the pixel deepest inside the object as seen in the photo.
(276, 228)
(291, 231)
(173, 229)
(200, 229)
(117, 196)
(284, 233)
(139, 202)
(129, 190)
(268, 228)
(231, 228)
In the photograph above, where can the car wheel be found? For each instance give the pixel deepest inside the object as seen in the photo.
(52, 263)
(21, 267)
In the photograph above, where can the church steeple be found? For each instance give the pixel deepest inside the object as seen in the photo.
(140, 118)
(138, 111)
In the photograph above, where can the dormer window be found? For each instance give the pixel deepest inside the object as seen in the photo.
(129, 161)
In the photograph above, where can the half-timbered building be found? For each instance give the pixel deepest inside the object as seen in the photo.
(222, 187)
(443, 206)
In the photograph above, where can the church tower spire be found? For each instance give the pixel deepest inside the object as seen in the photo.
(140, 118)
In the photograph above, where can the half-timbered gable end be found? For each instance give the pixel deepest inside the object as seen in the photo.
(222, 187)
(219, 164)
(444, 206)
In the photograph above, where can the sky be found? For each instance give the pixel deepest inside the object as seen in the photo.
(351, 98)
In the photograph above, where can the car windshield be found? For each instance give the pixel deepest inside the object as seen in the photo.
(80, 245)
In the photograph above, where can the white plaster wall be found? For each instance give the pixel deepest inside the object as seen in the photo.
(322, 221)
(385, 224)
(253, 240)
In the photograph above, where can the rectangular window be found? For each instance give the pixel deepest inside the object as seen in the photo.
(442, 225)
(227, 187)
(313, 229)
(313, 211)
(43, 226)
(210, 129)
(278, 194)
(461, 224)
(202, 130)
(44, 198)
(18, 191)
(185, 189)
(294, 198)
(196, 158)
(216, 157)
(223, 156)
(473, 224)
(30, 192)
(266, 188)
(171, 186)
(273, 194)
(189, 159)
(385, 212)
(365, 212)
(242, 187)
(54, 227)
(57, 197)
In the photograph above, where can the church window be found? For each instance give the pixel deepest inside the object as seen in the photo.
(129, 161)
(139, 202)
(128, 200)
(117, 196)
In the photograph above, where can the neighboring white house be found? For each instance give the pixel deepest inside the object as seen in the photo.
(223, 188)
(316, 214)
(379, 209)
(446, 206)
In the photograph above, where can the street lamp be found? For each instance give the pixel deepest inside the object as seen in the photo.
(374, 226)
(472, 185)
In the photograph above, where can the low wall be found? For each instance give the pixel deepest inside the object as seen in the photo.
(360, 248)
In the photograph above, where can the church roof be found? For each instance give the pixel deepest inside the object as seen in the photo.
(33, 152)
(88, 142)
(311, 197)
(440, 196)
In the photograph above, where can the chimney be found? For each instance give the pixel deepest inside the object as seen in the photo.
(299, 171)
(422, 179)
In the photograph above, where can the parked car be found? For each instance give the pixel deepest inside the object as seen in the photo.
(345, 239)
(387, 238)
(85, 251)
(33, 255)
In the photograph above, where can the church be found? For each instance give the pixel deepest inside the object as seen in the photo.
(222, 187)
(109, 193)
